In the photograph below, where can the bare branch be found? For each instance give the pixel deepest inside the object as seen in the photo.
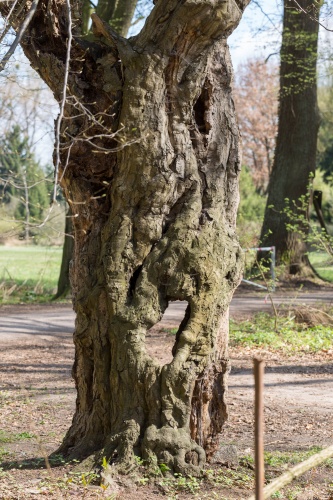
(19, 35)
(6, 24)
(313, 18)
(266, 15)
(63, 101)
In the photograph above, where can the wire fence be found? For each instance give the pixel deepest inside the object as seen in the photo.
(272, 251)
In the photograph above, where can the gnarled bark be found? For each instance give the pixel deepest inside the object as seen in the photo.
(152, 181)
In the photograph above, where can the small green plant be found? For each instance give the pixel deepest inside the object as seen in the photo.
(143, 480)
(259, 332)
(3, 453)
(138, 460)
(229, 477)
(164, 468)
(293, 493)
(170, 331)
(105, 463)
(24, 435)
(6, 437)
(329, 463)
(278, 458)
(88, 478)
(277, 494)
(180, 483)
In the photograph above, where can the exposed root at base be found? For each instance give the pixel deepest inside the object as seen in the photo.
(175, 449)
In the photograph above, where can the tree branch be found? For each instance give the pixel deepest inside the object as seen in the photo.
(101, 28)
(313, 18)
(170, 18)
(7, 26)
(62, 103)
(19, 35)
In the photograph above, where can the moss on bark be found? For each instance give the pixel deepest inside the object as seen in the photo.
(151, 160)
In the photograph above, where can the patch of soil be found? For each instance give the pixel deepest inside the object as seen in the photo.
(37, 399)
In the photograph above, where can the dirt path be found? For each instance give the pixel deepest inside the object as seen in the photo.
(18, 322)
(37, 398)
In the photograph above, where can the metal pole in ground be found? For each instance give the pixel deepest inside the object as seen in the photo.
(259, 366)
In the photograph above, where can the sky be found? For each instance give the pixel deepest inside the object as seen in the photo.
(258, 35)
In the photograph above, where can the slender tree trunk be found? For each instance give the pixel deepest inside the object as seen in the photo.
(87, 9)
(152, 180)
(67, 255)
(26, 206)
(105, 9)
(123, 15)
(295, 154)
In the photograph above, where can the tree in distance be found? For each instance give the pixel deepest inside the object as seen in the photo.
(22, 180)
(295, 154)
(256, 100)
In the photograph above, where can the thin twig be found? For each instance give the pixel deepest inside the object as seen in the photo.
(63, 101)
(19, 35)
(313, 18)
(7, 26)
(269, 295)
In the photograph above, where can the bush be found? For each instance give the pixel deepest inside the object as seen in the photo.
(251, 211)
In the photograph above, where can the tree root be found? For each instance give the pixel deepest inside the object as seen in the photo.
(119, 448)
(174, 448)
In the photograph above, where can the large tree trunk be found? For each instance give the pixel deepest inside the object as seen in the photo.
(296, 147)
(152, 180)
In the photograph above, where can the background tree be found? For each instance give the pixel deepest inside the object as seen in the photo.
(152, 184)
(25, 101)
(27, 105)
(64, 285)
(22, 180)
(295, 155)
(256, 100)
(325, 138)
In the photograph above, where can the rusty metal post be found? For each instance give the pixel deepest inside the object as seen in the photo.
(259, 366)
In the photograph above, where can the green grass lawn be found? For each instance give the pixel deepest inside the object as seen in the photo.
(323, 264)
(28, 273)
(321, 261)
(290, 337)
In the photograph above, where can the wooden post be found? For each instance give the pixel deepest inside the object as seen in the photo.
(259, 427)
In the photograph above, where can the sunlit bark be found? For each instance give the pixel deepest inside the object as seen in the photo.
(150, 166)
